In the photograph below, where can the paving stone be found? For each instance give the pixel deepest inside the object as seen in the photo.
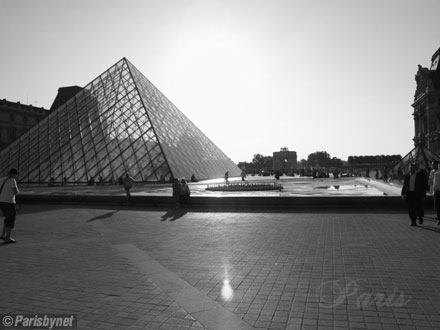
(284, 270)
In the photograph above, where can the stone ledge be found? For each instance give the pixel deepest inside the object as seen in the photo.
(227, 203)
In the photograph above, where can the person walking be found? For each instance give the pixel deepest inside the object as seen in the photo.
(8, 191)
(227, 177)
(184, 193)
(128, 184)
(413, 191)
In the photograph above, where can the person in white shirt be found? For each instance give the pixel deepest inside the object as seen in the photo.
(431, 177)
(8, 191)
(436, 190)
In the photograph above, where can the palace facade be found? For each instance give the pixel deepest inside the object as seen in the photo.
(427, 106)
(16, 119)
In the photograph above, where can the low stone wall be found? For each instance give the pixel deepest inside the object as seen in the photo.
(246, 203)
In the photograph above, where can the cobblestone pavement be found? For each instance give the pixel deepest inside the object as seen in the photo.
(122, 268)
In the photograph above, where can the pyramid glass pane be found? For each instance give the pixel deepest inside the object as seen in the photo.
(119, 123)
(186, 147)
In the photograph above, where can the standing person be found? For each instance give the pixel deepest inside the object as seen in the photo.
(227, 177)
(431, 177)
(128, 184)
(431, 181)
(8, 191)
(184, 193)
(177, 188)
(414, 190)
(243, 175)
(436, 190)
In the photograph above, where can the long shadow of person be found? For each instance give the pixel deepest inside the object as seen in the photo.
(103, 216)
(434, 229)
(173, 214)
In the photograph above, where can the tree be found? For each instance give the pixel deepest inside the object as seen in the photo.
(302, 163)
(336, 162)
(322, 159)
(319, 159)
(258, 159)
(378, 160)
(261, 162)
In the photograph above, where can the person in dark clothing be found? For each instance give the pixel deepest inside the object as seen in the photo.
(227, 177)
(414, 190)
(177, 189)
(184, 193)
(128, 184)
(8, 191)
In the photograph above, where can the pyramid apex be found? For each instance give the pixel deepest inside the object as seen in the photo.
(119, 123)
(125, 60)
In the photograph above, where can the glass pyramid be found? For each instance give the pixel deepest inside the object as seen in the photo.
(119, 123)
(420, 155)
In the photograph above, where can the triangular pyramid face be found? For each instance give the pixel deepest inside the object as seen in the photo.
(187, 149)
(119, 123)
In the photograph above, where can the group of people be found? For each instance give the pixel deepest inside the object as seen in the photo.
(243, 176)
(416, 185)
(9, 190)
(181, 192)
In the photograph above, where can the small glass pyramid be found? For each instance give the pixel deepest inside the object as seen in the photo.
(119, 123)
(421, 156)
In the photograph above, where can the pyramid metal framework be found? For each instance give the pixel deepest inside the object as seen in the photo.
(119, 123)
(420, 155)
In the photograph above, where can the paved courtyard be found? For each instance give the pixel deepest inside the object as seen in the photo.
(122, 268)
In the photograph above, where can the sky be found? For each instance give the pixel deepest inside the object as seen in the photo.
(253, 75)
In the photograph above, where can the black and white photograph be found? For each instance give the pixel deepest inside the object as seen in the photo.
(220, 164)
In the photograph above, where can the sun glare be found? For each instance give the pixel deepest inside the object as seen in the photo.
(227, 292)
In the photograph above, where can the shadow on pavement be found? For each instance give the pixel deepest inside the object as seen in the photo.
(173, 214)
(434, 229)
(28, 208)
(103, 216)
